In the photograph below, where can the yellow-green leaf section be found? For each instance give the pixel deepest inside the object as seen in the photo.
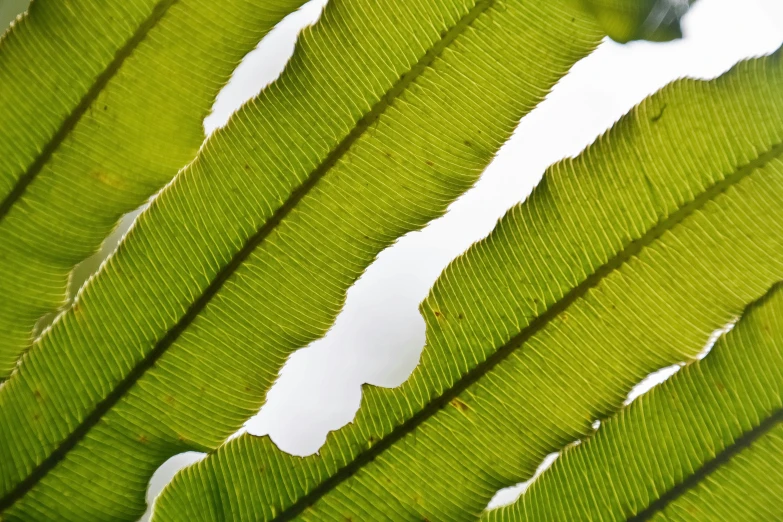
(387, 112)
(101, 103)
(622, 261)
(706, 445)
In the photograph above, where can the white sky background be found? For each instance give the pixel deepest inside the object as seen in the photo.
(379, 335)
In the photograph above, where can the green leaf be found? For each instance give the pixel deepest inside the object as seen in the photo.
(627, 20)
(622, 261)
(705, 445)
(101, 104)
(386, 113)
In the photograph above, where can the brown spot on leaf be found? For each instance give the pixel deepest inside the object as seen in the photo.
(658, 116)
(461, 406)
(105, 178)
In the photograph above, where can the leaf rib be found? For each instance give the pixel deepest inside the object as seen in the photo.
(70, 122)
(200, 303)
(536, 325)
(710, 467)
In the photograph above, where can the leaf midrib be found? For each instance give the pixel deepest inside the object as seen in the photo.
(73, 118)
(709, 467)
(171, 335)
(536, 325)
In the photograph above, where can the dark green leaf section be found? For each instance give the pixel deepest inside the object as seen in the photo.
(627, 20)
(707, 445)
(386, 113)
(101, 104)
(622, 261)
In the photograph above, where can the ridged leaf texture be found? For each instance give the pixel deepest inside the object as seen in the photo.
(101, 103)
(622, 261)
(385, 114)
(707, 445)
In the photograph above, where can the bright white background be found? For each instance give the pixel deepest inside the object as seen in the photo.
(379, 335)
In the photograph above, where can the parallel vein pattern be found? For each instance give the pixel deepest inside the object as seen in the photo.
(101, 104)
(705, 445)
(621, 262)
(369, 133)
(69, 122)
